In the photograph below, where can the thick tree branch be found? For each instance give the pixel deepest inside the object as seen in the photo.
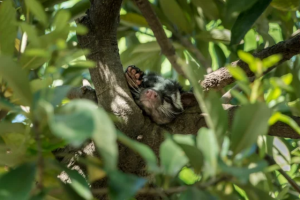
(221, 77)
(161, 37)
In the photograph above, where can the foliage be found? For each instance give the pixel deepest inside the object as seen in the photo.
(40, 62)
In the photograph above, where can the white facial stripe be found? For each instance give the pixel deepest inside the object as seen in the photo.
(161, 84)
(178, 103)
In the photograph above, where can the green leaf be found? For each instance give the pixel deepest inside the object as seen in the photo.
(238, 6)
(8, 28)
(174, 13)
(271, 60)
(31, 33)
(124, 186)
(285, 5)
(249, 122)
(217, 117)
(133, 19)
(12, 188)
(7, 127)
(61, 20)
(172, 157)
(209, 8)
(144, 151)
(246, 19)
(38, 84)
(105, 139)
(254, 193)
(238, 73)
(242, 173)
(188, 145)
(193, 193)
(79, 9)
(78, 183)
(16, 78)
(37, 9)
(208, 143)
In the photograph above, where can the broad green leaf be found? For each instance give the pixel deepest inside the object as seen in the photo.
(12, 187)
(209, 8)
(215, 35)
(217, 118)
(133, 19)
(249, 122)
(238, 73)
(78, 183)
(250, 42)
(208, 143)
(7, 105)
(105, 139)
(7, 127)
(175, 14)
(238, 6)
(38, 84)
(124, 186)
(172, 157)
(221, 58)
(239, 96)
(16, 78)
(79, 9)
(285, 5)
(246, 19)
(254, 193)
(243, 173)
(193, 193)
(61, 20)
(188, 176)
(31, 33)
(246, 57)
(37, 9)
(151, 47)
(144, 151)
(8, 28)
(188, 144)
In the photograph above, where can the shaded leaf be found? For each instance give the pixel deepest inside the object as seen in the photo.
(16, 78)
(8, 28)
(172, 157)
(174, 13)
(11, 188)
(124, 186)
(133, 19)
(209, 8)
(249, 122)
(37, 9)
(246, 19)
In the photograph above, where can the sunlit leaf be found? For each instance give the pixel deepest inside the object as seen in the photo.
(238, 73)
(133, 19)
(209, 8)
(285, 119)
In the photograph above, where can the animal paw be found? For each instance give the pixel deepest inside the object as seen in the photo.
(134, 76)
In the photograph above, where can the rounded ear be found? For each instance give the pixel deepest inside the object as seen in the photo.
(188, 99)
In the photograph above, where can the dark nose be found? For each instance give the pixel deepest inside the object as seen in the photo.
(151, 94)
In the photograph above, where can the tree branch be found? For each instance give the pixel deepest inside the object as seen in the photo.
(161, 37)
(221, 77)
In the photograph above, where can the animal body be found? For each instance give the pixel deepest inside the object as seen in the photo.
(161, 99)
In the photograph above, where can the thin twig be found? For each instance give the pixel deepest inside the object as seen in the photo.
(271, 161)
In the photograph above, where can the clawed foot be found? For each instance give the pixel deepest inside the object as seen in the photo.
(134, 76)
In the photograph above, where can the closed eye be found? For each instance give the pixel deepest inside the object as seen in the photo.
(168, 99)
